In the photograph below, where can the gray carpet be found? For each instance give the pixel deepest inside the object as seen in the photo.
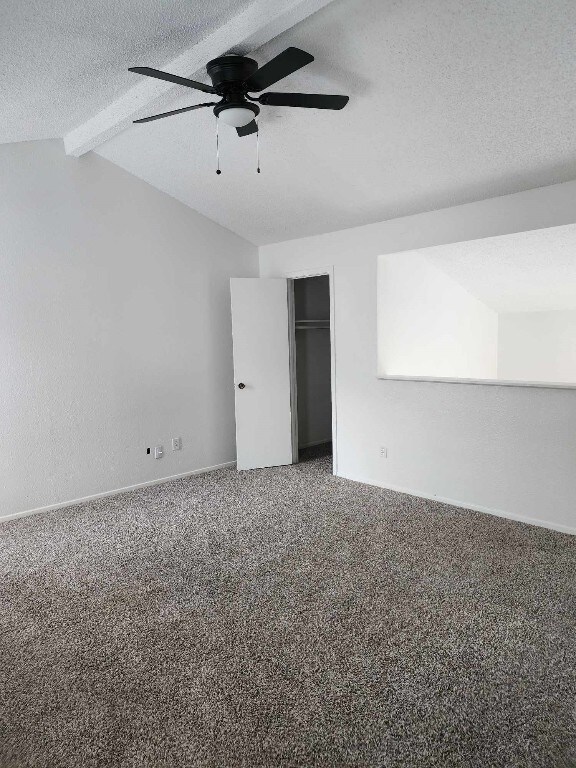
(284, 617)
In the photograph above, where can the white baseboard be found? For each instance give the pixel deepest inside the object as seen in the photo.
(466, 505)
(410, 492)
(116, 491)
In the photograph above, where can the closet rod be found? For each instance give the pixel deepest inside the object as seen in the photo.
(312, 325)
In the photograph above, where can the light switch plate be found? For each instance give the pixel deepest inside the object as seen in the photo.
(158, 451)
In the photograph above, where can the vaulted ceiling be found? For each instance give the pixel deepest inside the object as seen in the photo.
(62, 60)
(531, 271)
(450, 101)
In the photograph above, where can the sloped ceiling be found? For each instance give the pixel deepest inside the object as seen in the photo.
(524, 272)
(450, 101)
(61, 61)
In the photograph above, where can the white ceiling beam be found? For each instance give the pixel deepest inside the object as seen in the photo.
(256, 25)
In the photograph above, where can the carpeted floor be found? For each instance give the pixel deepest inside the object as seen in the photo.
(284, 617)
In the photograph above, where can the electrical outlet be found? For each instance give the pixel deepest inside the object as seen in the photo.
(176, 443)
(158, 451)
(383, 452)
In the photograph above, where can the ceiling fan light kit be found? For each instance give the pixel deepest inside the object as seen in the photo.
(236, 114)
(234, 78)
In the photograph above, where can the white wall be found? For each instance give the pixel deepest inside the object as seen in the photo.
(429, 325)
(114, 329)
(537, 346)
(507, 449)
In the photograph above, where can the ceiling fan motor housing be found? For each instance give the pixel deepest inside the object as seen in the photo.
(230, 72)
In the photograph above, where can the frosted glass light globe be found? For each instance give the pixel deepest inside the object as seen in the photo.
(236, 116)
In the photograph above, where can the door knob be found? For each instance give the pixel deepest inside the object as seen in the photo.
(241, 386)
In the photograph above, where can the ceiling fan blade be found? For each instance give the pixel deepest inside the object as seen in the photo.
(174, 112)
(280, 66)
(307, 100)
(246, 130)
(159, 75)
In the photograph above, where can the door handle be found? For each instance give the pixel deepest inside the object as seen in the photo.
(241, 385)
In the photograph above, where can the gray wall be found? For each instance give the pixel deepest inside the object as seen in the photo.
(114, 329)
(509, 450)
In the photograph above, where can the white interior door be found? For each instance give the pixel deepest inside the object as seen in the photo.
(260, 330)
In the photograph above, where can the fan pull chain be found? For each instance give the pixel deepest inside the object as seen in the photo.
(258, 150)
(218, 171)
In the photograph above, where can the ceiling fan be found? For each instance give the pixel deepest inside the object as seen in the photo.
(234, 78)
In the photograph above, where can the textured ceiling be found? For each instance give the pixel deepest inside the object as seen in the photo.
(523, 272)
(451, 101)
(62, 61)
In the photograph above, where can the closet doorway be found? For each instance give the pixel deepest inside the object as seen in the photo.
(312, 368)
(284, 368)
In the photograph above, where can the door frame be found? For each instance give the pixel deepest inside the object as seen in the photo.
(298, 275)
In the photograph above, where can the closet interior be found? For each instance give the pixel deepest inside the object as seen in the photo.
(313, 364)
